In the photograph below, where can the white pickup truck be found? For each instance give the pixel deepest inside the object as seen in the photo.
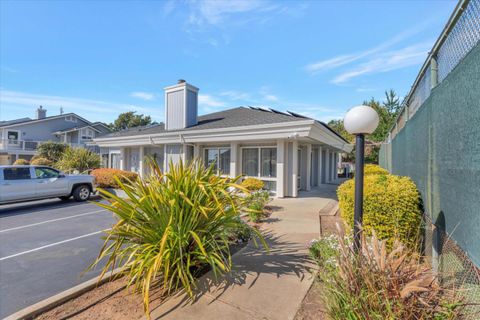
(24, 183)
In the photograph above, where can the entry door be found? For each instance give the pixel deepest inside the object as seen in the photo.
(50, 182)
(17, 184)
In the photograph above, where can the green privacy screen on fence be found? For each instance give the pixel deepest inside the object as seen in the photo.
(439, 148)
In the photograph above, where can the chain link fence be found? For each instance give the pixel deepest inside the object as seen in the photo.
(435, 141)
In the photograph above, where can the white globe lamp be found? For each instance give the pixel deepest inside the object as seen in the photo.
(359, 121)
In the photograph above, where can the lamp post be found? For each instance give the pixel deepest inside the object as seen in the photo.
(359, 121)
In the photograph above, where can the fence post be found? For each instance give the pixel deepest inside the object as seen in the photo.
(433, 72)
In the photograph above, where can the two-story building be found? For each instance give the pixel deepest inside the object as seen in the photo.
(288, 151)
(20, 138)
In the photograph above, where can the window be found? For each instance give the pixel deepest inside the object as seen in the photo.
(13, 136)
(250, 162)
(71, 119)
(16, 173)
(46, 173)
(219, 158)
(259, 162)
(269, 162)
(87, 134)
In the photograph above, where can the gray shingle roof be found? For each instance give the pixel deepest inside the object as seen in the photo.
(15, 121)
(236, 117)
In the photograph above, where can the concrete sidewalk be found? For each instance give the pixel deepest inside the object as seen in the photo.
(262, 285)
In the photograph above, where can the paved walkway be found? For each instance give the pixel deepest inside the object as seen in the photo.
(262, 285)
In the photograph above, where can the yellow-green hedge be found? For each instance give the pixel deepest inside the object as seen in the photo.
(21, 162)
(374, 169)
(391, 207)
(252, 184)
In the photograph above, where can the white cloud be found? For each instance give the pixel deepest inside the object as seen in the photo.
(371, 60)
(91, 109)
(215, 12)
(235, 95)
(270, 97)
(209, 101)
(143, 95)
(388, 61)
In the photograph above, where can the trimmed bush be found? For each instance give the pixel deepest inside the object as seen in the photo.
(105, 177)
(41, 162)
(252, 184)
(391, 207)
(21, 162)
(374, 169)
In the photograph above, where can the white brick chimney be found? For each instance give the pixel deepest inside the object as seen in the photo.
(181, 106)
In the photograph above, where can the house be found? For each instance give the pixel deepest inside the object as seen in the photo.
(20, 138)
(288, 151)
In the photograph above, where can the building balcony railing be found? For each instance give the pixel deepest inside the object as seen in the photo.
(24, 145)
(11, 144)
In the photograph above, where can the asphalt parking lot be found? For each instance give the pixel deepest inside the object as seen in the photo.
(44, 248)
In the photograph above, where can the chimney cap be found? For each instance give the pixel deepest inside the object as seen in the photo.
(181, 81)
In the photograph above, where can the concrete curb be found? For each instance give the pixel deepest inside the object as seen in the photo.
(45, 305)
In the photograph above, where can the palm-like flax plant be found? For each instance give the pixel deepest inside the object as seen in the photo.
(171, 225)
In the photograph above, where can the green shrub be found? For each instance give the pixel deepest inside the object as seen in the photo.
(242, 233)
(79, 159)
(391, 207)
(105, 177)
(255, 203)
(374, 169)
(325, 251)
(41, 162)
(21, 162)
(171, 226)
(52, 151)
(252, 184)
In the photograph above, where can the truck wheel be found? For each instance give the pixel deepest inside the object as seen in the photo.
(81, 193)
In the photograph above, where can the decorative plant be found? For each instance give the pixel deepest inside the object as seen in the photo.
(380, 284)
(21, 162)
(391, 207)
(253, 184)
(255, 203)
(79, 159)
(41, 162)
(374, 169)
(171, 226)
(51, 150)
(105, 177)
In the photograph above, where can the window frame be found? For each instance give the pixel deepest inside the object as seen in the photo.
(259, 175)
(48, 168)
(218, 170)
(10, 168)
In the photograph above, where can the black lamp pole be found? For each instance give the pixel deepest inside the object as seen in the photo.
(358, 212)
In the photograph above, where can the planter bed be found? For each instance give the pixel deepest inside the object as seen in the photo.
(111, 301)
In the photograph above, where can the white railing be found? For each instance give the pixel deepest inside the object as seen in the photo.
(16, 145)
(12, 144)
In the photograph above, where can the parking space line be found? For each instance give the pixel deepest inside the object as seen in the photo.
(52, 220)
(52, 244)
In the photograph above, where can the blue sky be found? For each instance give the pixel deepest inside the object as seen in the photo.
(318, 58)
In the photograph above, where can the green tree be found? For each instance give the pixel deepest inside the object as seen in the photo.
(79, 159)
(387, 113)
(337, 125)
(129, 120)
(51, 150)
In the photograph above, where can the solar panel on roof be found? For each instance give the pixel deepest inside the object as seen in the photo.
(297, 115)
